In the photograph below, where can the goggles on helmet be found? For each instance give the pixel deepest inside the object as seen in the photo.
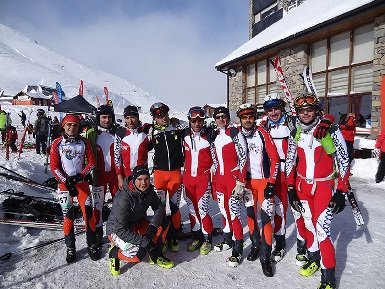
(196, 112)
(306, 100)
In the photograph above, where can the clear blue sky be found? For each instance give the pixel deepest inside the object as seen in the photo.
(167, 47)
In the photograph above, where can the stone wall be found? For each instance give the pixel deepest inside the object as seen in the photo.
(378, 71)
(236, 95)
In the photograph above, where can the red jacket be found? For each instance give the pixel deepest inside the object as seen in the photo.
(348, 128)
(380, 143)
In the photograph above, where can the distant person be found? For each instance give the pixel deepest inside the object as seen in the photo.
(41, 131)
(347, 126)
(23, 118)
(380, 150)
(56, 129)
(5, 120)
(12, 138)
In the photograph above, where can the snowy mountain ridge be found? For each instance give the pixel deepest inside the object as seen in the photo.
(25, 62)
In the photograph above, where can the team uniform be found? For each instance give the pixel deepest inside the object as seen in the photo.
(196, 180)
(262, 168)
(168, 161)
(230, 167)
(311, 171)
(68, 158)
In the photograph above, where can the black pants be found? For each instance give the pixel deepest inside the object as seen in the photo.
(350, 148)
(381, 169)
(41, 140)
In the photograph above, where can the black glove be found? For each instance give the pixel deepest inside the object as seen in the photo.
(322, 128)
(337, 202)
(269, 191)
(151, 232)
(73, 191)
(294, 200)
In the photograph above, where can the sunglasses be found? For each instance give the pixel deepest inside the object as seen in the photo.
(306, 100)
(73, 124)
(306, 110)
(248, 116)
(197, 120)
(222, 116)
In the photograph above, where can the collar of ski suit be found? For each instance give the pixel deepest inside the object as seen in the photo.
(277, 123)
(109, 130)
(70, 138)
(248, 133)
(308, 127)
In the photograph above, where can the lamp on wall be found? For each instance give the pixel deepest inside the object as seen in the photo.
(232, 72)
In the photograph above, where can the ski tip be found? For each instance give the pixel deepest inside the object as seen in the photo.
(5, 257)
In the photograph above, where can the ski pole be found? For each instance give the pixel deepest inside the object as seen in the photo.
(35, 185)
(8, 256)
(19, 175)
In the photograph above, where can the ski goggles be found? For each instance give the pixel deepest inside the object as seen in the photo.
(305, 100)
(159, 109)
(246, 109)
(248, 117)
(196, 112)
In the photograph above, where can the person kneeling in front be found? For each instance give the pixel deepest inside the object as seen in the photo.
(130, 233)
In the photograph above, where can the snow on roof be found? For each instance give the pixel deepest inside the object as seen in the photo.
(305, 16)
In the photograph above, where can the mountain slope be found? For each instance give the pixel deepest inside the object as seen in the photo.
(26, 62)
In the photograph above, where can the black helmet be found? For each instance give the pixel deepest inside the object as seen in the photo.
(221, 109)
(40, 112)
(102, 110)
(131, 110)
(158, 108)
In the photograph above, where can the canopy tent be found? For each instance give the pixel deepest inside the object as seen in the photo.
(75, 104)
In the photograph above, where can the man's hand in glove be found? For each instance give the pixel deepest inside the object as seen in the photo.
(323, 127)
(269, 191)
(337, 202)
(238, 189)
(294, 200)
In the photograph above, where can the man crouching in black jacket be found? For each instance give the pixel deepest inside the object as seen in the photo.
(130, 233)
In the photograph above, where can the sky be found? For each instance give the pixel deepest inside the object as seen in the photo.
(167, 47)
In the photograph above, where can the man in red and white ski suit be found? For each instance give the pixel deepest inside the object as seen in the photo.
(68, 164)
(229, 181)
(277, 125)
(311, 172)
(131, 144)
(196, 180)
(262, 171)
(102, 141)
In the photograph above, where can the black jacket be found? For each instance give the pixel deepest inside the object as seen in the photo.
(129, 208)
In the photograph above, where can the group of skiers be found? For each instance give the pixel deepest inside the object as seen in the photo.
(283, 159)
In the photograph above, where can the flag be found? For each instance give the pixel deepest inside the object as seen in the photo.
(55, 97)
(81, 88)
(106, 93)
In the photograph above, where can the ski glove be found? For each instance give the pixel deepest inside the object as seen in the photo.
(73, 180)
(294, 200)
(322, 128)
(73, 191)
(151, 232)
(269, 191)
(238, 189)
(337, 202)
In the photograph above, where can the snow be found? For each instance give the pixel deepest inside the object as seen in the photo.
(290, 24)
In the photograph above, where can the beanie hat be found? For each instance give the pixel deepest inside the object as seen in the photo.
(131, 110)
(70, 118)
(221, 109)
(138, 171)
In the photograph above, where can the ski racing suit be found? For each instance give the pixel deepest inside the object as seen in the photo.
(262, 168)
(230, 157)
(311, 171)
(130, 149)
(196, 180)
(68, 158)
(103, 175)
(168, 161)
(127, 223)
(280, 134)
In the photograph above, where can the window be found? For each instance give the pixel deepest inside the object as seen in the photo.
(343, 72)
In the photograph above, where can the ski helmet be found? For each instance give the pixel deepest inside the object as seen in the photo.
(306, 99)
(104, 109)
(221, 109)
(196, 112)
(70, 118)
(273, 100)
(246, 109)
(131, 110)
(40, 112)
(158, 109)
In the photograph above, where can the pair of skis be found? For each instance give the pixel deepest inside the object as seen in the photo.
(308, 81)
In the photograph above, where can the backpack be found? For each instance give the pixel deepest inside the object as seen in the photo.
(42, 126)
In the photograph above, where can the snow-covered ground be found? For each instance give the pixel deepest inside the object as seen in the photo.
(359, 263)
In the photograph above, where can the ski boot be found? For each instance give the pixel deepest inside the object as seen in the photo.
(206, 245)
(226, 244)
(255, 246)
(71, 255)
(328, 279)
(173, 244)
(279, 249)
(114, 262)
(235, 259)
(94, 252)
(309, 268)
(267, 268)
(162, 261)
(301, 258)
(196, 243)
